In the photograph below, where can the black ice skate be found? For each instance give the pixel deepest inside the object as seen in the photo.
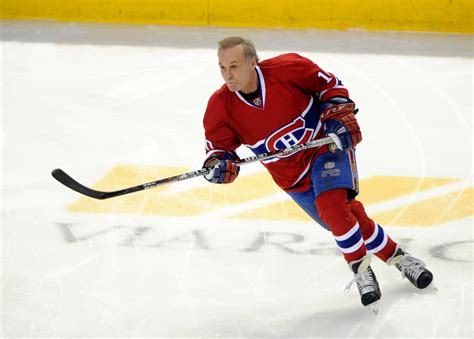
(366, 283)
(412, 268)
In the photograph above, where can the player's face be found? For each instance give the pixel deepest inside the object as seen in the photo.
(237, 71)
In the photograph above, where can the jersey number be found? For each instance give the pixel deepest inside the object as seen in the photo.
(325, 77)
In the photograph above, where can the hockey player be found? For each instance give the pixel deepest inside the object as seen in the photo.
(287, 100)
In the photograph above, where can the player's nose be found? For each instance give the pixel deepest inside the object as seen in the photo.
(226, 75)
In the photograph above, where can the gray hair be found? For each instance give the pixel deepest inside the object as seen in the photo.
(249, 47)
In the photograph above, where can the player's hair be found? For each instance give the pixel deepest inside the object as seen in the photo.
(233, 41)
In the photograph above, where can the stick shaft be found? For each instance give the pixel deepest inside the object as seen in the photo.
(68, 181)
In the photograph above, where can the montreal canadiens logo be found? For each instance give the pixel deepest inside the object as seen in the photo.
(294, 133)
(257, 102)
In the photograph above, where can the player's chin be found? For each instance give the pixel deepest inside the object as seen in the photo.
(232, 87)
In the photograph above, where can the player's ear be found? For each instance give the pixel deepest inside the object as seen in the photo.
(254, 61)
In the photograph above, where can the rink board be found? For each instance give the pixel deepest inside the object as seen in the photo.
(403, 15)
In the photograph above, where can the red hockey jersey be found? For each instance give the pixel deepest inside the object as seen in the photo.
(286, 113)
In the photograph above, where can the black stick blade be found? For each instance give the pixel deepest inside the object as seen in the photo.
(66, 180)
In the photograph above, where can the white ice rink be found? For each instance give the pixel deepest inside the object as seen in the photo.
(197, 261)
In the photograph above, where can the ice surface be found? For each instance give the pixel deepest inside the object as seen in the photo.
(87, 97)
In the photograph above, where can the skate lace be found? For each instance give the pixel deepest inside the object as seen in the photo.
(365, 282)
(411, 267)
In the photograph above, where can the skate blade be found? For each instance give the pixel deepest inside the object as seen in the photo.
(374, 307)
(433, 287)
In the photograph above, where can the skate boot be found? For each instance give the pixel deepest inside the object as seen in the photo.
(412, 268)
(366, 282)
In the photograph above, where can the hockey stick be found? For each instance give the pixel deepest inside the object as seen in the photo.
(66, 180)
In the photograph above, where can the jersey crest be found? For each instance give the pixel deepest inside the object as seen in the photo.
(301, 130)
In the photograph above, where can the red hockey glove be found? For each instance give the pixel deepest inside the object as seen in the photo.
(337, 116)
(223, 169)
